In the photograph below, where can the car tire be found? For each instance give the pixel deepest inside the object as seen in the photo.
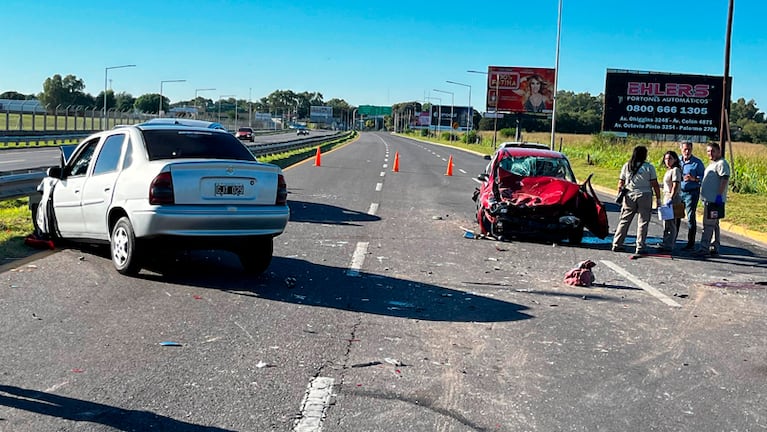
(256, 256)
(575, 237)
(123, 248)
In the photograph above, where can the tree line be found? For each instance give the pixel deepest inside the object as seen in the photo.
(576, 112)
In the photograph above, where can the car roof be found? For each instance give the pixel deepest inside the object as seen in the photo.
(530, 151)
(183, 122)
(524, 144)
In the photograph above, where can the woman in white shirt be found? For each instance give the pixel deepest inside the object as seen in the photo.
(671, 183)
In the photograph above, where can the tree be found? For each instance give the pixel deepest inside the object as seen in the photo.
(150, 103)
(64, 91)
(15, 96)
(741, 109)
(124, 102)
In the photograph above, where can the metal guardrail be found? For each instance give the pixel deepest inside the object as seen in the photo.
(58, 138)
(25, 184)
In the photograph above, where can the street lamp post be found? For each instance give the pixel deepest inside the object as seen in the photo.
(439, 114)
(106, 71)
(470, 120)
(159, 111)
(452, 103)
(495, 113)
(197, 91)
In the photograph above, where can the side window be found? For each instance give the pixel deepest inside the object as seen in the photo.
(109, 156)
(79, 165)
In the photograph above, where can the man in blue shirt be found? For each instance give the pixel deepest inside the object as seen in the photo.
(692, 175)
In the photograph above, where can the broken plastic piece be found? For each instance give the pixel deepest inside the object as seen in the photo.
(169, 343)
(468, 235)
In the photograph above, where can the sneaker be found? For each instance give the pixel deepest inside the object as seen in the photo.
(618, 249)
(713, 252)
(640, 251)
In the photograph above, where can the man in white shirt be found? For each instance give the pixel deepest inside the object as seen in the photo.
(713, 189)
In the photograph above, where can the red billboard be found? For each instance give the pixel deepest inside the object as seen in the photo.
(512, 89)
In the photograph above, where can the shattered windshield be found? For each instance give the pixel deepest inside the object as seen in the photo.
(536, 166)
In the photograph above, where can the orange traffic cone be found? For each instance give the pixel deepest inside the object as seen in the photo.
(396, 162)
(449, 171)
(317, 159)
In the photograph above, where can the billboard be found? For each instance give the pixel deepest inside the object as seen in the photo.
(321, 114)
(460, 115)
(662, 103)
(520, 89)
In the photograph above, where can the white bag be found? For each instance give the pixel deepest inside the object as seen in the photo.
(665, 212)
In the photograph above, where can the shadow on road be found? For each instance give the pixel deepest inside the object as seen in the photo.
(303, 211)
(79, 410)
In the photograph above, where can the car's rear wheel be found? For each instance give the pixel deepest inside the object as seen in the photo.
(123, 248)
(256, 256)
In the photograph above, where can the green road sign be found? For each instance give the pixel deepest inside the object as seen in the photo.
(372, 110)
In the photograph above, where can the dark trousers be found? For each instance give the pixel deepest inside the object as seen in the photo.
(690, 199)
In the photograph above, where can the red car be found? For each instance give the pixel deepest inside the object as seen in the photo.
(531, 191)
(246, 134)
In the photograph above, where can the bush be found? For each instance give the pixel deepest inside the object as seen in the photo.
(508, 132)
(424, 132)
(470, 138)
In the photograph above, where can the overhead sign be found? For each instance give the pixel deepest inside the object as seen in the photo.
(520, 89)
(372, 110)
(320, 113)
(662, 103)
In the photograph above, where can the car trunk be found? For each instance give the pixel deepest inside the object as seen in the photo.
(224, 182)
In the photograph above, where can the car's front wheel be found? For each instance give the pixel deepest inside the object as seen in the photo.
(123, 247)
(575, 237)
(256, 256)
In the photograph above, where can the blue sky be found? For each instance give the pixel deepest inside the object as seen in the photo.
(370, 53)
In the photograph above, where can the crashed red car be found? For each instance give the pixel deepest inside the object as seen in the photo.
(530, 191)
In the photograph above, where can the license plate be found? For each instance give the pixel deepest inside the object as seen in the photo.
(234, 189)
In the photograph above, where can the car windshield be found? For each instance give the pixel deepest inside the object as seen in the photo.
(537, 166)
(177, 144)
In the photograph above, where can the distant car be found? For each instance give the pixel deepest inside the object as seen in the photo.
(302, 131)
(184, 122)
(529, 191)
(149, 189)
(246, 134)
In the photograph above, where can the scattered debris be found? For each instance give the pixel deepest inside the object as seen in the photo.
(581, 275)
(170, 344)
(394, 362)
(262, 364)
(290, 282)
(368, 364)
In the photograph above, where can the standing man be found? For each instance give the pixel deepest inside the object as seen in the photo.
(713, 190)
(692, 175)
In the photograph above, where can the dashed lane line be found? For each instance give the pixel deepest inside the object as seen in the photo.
(373, 209)
(314, 407)
(358, 259)
(641, 284)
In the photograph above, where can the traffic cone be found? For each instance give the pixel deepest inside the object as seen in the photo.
(396, 162)
(317, 159)
(449, 171)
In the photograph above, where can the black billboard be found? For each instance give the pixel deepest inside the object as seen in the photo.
(662, 103)
(440, 115)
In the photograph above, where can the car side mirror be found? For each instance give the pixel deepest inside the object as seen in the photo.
(54, 171)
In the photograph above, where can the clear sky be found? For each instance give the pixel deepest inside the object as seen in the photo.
(370, 52)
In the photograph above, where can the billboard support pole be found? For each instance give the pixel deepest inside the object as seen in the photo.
(723, 125)
(495, 120)
(556, 77)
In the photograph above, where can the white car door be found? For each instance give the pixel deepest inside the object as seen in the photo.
(67, 195)
(99, 185)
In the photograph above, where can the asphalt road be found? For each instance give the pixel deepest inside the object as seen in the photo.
(378, 309)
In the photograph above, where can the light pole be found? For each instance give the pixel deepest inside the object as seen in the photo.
(452, 103)
(470, 120)
(439, 114)
(106, 71)
(159, 111)
(219, 104)
(197, 91)
(495, 113)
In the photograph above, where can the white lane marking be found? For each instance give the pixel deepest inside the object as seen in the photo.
(462, 171)
(357, 259)
(315, 404)
(477, 180)
(641, 284)
(12, 161)
(383, 173)
(373, 209)
(385, 166)
(379, 187)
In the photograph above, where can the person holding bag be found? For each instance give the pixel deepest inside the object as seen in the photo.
(671, 181)
(641, 181)
(713, 190)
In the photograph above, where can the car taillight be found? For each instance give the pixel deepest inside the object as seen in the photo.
(161, 189)
(282, 191)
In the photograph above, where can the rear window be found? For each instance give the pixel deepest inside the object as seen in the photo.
(245, 129)
(178, 144)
